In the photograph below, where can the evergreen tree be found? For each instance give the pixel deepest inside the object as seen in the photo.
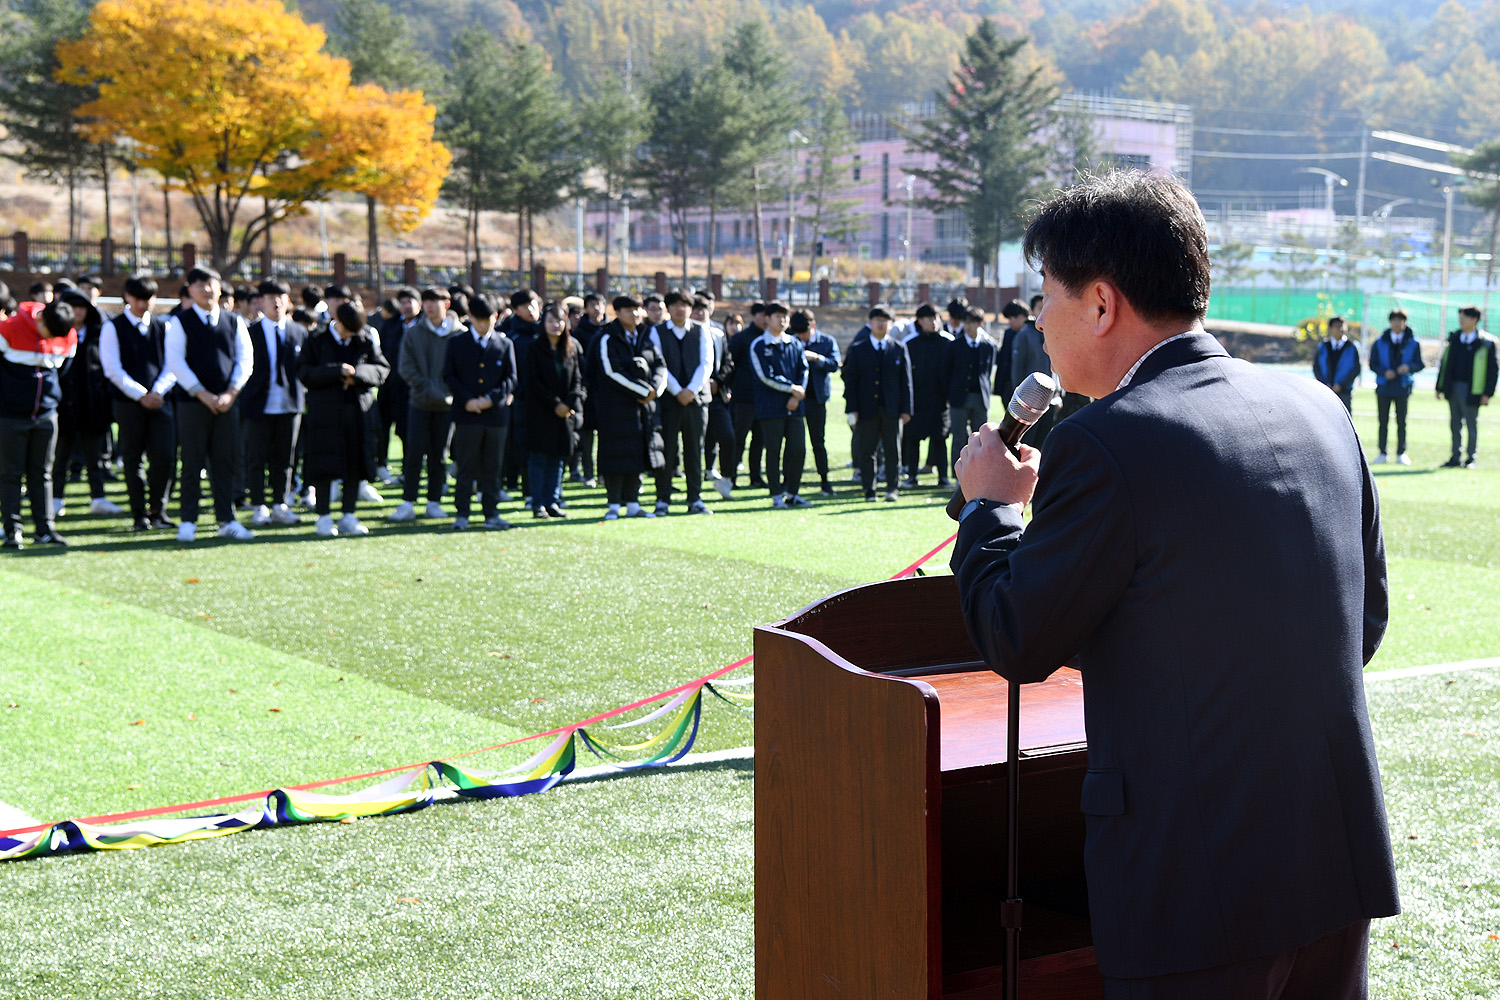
(834, 216)
(1482, 190)
(729, 150)
(40, 114)
(989, 136)
(671, 167)
(612, 126)
(470, 123)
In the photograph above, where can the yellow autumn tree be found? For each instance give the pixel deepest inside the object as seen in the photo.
(237, 103)
(381, 143)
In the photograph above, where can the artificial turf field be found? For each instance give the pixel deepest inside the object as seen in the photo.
(151, 675)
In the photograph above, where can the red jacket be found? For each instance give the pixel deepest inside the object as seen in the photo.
(30, 386)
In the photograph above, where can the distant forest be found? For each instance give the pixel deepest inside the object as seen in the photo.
(1317, 71)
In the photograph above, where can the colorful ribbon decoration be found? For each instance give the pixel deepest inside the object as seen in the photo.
(420, 785)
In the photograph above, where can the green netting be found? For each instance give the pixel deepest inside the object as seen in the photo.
(1430, 313)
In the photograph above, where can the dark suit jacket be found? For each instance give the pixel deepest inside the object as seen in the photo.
(253, 396)
(1206, 541)
(472, 371)
(820, 373)
(980, 361)
(868, 371)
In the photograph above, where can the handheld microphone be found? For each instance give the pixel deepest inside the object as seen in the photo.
(1027, 405)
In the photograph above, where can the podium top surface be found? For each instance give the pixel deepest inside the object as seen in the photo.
(912, 632)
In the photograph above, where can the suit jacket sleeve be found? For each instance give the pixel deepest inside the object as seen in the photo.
(374, 369)
(1032, 598)
(1377, 590)
(851, 381)
(313, 371)
(511, 376)
(908, 395)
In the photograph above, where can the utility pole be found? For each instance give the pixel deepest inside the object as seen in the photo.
(1359, 190)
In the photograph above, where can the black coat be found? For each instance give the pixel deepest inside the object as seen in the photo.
(324, 426)
(253, 396)
(931, 357)
(546, 432)
(1206, 542)
(870, 373)
(87, 406)
(625, 369)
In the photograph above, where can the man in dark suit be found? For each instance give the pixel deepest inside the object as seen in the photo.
(1237, 842)
(877, 395)
(132, 349)
(971, 383)
(271, 405)
(931, 351)
(822, 354)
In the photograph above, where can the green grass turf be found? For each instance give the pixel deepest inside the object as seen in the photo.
(638, 887)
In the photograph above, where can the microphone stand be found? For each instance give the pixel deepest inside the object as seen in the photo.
(1010, 907)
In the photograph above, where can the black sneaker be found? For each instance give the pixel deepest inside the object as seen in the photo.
(141, 524)
(163, 523)
(1452, 463)
(51, 538)
(14, 539)
(553, 510)
(869, 498)
(1471, 464)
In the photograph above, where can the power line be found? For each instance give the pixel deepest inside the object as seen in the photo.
(1261, 131)
(1215, 155)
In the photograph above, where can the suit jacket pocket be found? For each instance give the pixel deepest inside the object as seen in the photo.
(1103, 793)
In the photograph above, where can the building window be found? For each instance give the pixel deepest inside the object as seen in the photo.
(1131, 161)
(736, 232)
(857, 159)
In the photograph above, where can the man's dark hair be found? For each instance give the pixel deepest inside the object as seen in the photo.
(1142, 233)
(626, 302)
(58, 318)
(522, 296)
(777, 307)
(880, 312)
(338, 292)
(389, 309)
(63, 284)
(675, 297)
(958, 307)
(243, 293)
(90, 282)
(302, 317)
(757, 308)
(1471, 311)
(458, 304)
(1014, 308)
(273, 286)
(140, 286)
(926, 309)
(653, 297)
(703, 302)
(201, 274)
(1335, 321)
(976, 314)
(802, 321)
(432, 293)
(1397, 314)
(461, 288)
(482, 306)
(407, 292)
(38, 287)
(184, 292)
(311, 296)
(1038, 297)
(351, 316)
(592, 297)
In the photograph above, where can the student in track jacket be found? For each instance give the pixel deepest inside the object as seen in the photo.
(628, 376)
(481, 373)
(822, 355)
(877, 394)
(37, 344)
(1467, 378)
(341, 366)
(1395, 358)
(1336, 363)
(132, 349)
(742, 394)
(781, 371)
(271, 404)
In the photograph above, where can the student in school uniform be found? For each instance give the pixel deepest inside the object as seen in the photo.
(209, 351)
(86, 411)
(629, 376)
(971, 386)
(393, 397)
(429, 415)
(522, 327)
(37, 343)
(554, 403)
(584, 335)
(132, 349)
(480, 371)
(877, 395)
(931, 352)
(742, 393)
(341, 367)
(686, 348)
(822, 355)
(718, 437)
(271, 405)
(779, 361)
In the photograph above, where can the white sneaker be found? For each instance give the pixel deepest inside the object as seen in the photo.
(434, 509)
(634, 509)
(309, 500)
(779, 503)
(282, 514)
(799, 502)
(384, 475)
(662, 508)
(497, 523)
(104, 505)
(368, 493)
(235, 530)
(349, 525)
(1403, 459)
(1379, 459)
(405, 512)
(324, 527)
(724, 486)
(261, 517)
(613, 514)
(187, 531)
(503, 496)
(460, 524)
(698, 507)
(892, 496)
(58, 507)
(336, 491)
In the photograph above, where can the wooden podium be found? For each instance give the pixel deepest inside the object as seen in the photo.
(880, 809)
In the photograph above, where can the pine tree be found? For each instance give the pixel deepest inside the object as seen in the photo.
(834, 216)
(671, 167)
(1482, 190)
(612, 126)
(989, 138)
(470, 124)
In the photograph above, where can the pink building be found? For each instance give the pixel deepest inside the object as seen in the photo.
(1144, 134)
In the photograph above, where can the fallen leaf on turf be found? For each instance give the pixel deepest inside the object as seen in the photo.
(1495, 937)
(275, 683)
(131, 788)
(139, 722)
(407, 899)
(1411, 836)
(233, 691)
(277, 710)
(192, 579)
(191, 717)
(537, 700)
(347, 819)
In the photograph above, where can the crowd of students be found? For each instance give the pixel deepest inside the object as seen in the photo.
(280, 405)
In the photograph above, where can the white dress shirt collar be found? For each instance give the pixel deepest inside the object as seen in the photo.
(1142, 359)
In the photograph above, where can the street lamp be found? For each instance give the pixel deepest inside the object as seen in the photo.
(911, 182)
(794, 139)
(1330, 179)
